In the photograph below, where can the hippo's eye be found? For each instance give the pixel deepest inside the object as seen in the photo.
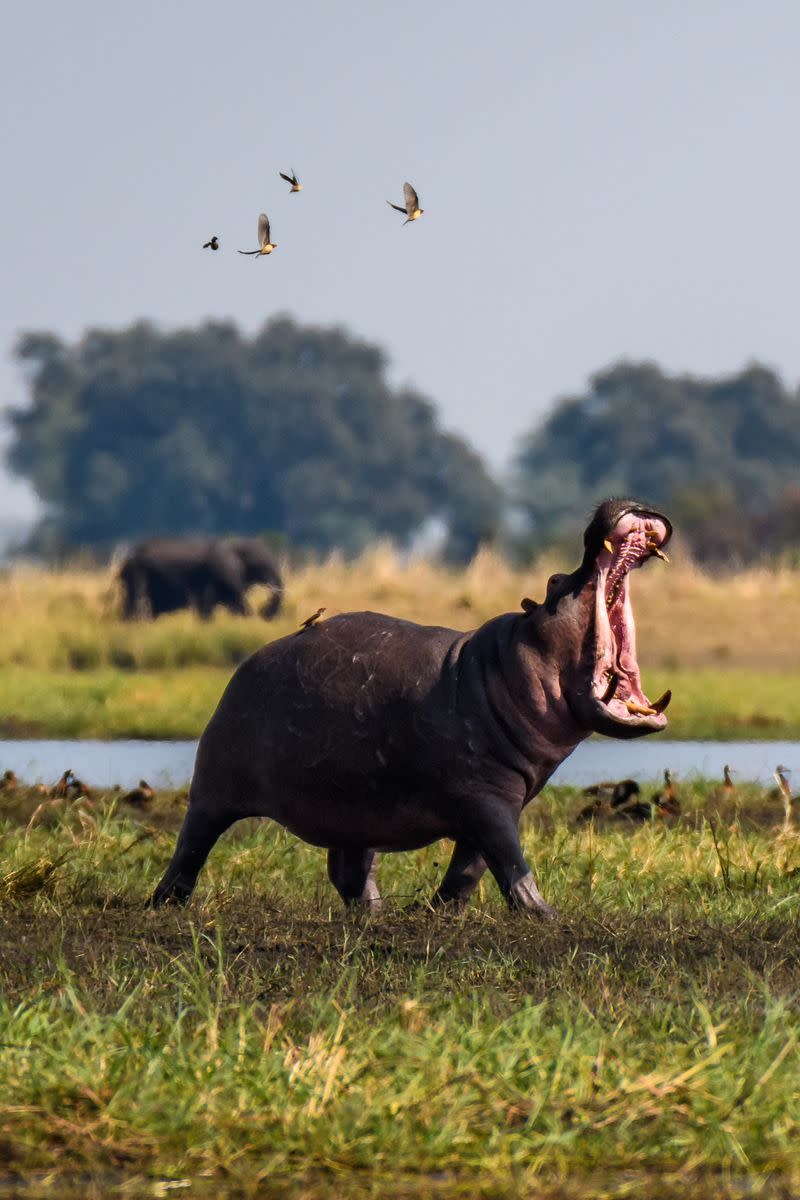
(554, 581)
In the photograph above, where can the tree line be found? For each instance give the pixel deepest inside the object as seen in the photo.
(296, 433)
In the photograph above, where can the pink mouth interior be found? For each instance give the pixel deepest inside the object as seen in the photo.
(633, 540)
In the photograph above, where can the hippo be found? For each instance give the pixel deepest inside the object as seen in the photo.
(366, 734)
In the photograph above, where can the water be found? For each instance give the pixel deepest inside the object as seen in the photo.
(101, 764)
(169, 764)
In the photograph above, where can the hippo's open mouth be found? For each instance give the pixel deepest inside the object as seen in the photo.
(619, 704)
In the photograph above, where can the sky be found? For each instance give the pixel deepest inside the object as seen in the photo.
(600, 180)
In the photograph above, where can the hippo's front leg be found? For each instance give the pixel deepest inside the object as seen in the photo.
(352, 873)
(493, 830)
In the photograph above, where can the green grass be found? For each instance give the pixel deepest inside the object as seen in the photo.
(708, 703)
(109, 704)
(264, 1035)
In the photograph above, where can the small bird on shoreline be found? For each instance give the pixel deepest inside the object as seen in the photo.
(411, 205)
(265, 244)
(293, 180)
(212, 243)
(140, 796)
(666, 801)
(785, 791)
(62, 788)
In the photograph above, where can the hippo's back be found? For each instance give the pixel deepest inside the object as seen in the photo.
(355, 682)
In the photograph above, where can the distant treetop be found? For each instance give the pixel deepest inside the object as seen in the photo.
(296, 431)
(721, 455)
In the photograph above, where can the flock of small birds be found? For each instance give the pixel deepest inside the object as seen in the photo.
(69, 789)
(618, 800)
(621, 800)
(410, 207)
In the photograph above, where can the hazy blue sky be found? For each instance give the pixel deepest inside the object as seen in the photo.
(599, 180)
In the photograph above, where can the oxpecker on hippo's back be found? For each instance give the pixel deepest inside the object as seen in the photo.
(366, 733)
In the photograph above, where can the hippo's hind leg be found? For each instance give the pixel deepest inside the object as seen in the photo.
(198, 834)
(494, 830)
(462, 876)
(352, 873)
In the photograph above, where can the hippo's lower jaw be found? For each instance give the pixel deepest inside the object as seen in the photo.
(616, 704)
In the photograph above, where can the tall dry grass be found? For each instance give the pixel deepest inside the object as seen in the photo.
(68, 620)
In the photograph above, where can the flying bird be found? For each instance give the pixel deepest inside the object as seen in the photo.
(212, 244)
(293, 180)
(265, 245)
(411, 206)
(309, 621)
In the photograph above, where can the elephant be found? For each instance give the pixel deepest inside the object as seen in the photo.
(163, 575)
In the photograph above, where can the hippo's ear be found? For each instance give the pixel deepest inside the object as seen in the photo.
(559, 585)
(528, 606)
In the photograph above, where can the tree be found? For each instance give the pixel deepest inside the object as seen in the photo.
(716, 454)
(296, 430)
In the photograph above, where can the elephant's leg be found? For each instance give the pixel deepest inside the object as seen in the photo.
(273, 605)
(494, 831)
(198, 834)
(352, 873)
(137, 603)
(462, 876)
(237, 605)
(203, 600)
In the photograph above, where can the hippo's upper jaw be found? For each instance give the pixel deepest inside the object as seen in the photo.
(615, 703)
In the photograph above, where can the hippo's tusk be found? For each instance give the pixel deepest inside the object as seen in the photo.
(659, 553)
(662, 702)
(640, 710)
(613, 684)
(609, 546)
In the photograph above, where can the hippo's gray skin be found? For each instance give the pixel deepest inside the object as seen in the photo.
(365, 733)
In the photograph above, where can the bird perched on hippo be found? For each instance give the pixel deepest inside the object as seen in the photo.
(371, 734)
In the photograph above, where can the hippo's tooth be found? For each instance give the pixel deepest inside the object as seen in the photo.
(613, 684)
(609, 546)
(662, 702)
(639, 710)
(654, 548)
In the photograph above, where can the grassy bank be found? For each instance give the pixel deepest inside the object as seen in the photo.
(709, 702)
(261, 1034)
(69, 667)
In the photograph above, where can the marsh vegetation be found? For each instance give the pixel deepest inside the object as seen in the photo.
(263, 1033)
(727, 646)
